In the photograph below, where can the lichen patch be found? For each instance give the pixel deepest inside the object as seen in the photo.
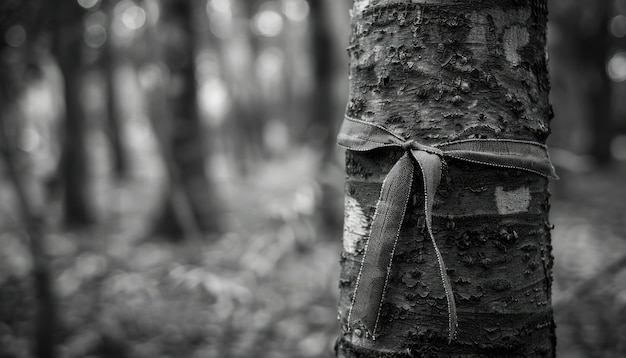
(515, 38)
(512, 201)
(355, 226)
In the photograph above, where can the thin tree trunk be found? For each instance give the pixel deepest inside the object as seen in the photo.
(184, 143)
(114, 112)
(32, 222)
(437, 71)
(580, 55)
(321, 122)
(595, 47)
(68, 45)
(323, 108)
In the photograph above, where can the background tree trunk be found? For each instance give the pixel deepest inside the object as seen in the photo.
(29, 205)
(597, 46)
(68, 47)
(581, 50)
(184, 138)
(321, 125)
(438, 71)
(323, 110)
(115, 116)
(32, 222)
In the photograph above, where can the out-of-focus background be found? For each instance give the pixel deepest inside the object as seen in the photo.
(170, 187)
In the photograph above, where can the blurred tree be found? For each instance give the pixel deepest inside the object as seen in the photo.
(436, 72)
(190, 206)
(239, 51)
(582, 49)
(110, 64)
(324, 59)
(68, 47)
(18, 65)
(321, 124)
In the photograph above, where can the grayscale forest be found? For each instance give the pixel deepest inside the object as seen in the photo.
(171, 184)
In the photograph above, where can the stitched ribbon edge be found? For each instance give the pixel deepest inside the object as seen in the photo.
(359, 135)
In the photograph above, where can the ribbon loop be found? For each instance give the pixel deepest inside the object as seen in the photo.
(376, 264)
(377, 258)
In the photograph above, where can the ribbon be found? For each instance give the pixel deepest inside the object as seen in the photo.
(375, 268)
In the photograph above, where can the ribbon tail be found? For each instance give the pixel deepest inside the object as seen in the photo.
(430, 166)
(373, 277)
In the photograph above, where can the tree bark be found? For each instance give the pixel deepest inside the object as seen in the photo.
(437, 71)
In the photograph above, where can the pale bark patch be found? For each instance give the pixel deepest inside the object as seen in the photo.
(355, 226)
(515, 37)
(512, 201)
(359, 6)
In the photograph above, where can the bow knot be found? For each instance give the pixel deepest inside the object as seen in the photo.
(414, 145)
(376, 263)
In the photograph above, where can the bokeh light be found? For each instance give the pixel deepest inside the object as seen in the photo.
(618, 26)
(618, 147)
(268, 23)
(616, 68)
(222, 6)
(269, 64)
(207, 65)
(128, 18)
(153, 11)
(296, 10)
(134, 17)
(153, 75)
(88, 4)
(95, 36)
(15, 36)
(220, 17)
(214, 100)
(95, 31)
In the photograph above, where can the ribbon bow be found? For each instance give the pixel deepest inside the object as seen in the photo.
(358, 135)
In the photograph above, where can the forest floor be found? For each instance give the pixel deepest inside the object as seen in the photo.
(267, 287)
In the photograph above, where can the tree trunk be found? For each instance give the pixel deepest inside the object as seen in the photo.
(184, 142)
(594, 54)
(110, 63)
(32, 221)
(321, 121)
(68, 46)
(434, 72)
(29, 207)
(580, 52)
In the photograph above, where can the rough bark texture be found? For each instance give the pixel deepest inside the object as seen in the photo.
(437, 71)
